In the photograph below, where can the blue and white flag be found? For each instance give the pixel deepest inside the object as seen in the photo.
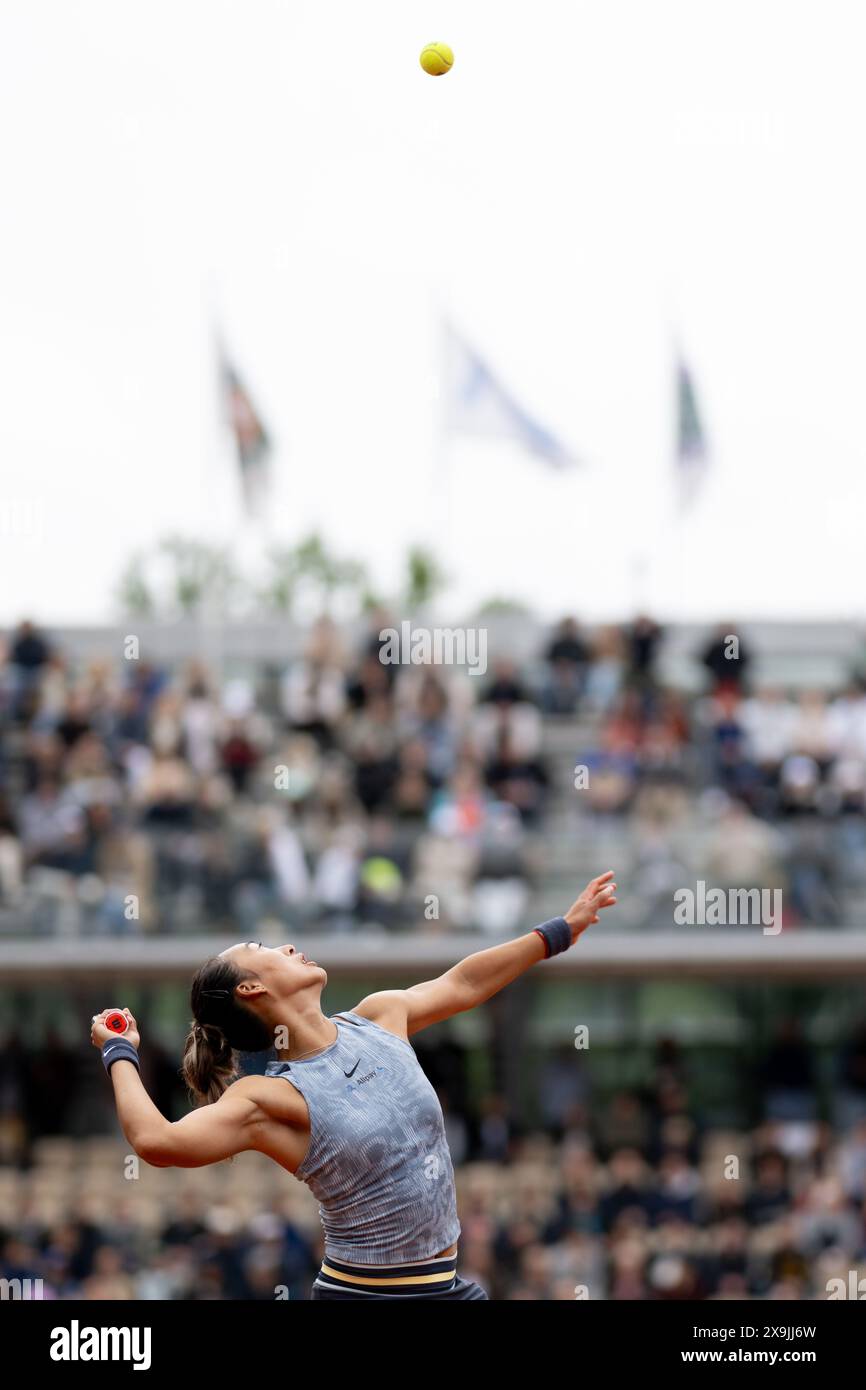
(477, 404)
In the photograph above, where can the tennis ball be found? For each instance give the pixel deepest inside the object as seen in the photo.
(436, 59)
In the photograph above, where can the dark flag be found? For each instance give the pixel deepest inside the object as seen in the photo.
(251, 438)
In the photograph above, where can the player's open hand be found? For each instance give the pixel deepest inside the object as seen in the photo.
(598, 894)
(99, 1034)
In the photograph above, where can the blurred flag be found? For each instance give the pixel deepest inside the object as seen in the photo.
(251, 439)
(692, 456)
(476, 403)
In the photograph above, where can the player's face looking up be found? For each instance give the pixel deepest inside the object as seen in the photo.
(280, 971)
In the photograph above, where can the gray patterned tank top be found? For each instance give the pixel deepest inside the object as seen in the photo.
(378, 1160)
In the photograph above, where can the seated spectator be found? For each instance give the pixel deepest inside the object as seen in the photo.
(514, 778)
(770, 1196)
(460, 809)
(768, 721)
(501, 893)
(372, 740)
(607, 669)
(727, 659)
(29, 653)
(199, 722)
(430, 725)
(520, 722)
(744, 850)
(373, 680)
(166, 792)
(847, 721)
(612, 771)
(643, 639)
(11, 856)
(382, 876)
(238, 755)
(75, 721)
(313, 689)
(812, 732)
(852, 1079)
(414, 785)
(506, 687)
(53, 829)
(632, 1189)
(730, 767)
(566, 657)
(788, 1076)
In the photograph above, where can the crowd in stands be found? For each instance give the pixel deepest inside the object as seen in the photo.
(342, 792)
(328, 797)
(638, 1195)
(768, 785)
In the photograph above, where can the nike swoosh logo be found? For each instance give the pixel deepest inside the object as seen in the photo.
(354, 1069)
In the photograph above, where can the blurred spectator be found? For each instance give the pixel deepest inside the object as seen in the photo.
(313, 691)
(506, 687)
(567, 655)
(28, 651)
(606, 674)
(643, 639)
(788, 1075)
(727, 658)
(852, 1078)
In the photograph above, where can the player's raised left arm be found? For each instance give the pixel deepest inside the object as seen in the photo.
(483, 974)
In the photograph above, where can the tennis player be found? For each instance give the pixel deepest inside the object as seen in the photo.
(358, 1121)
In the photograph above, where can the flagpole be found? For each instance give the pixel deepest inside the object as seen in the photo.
(214, 635)
(247, 531)
(673, 482)
(442, 477)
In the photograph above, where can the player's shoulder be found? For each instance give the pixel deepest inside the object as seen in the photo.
(387, 1007)
(269, 1094)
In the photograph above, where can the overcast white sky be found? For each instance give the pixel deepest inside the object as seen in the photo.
(588, 181)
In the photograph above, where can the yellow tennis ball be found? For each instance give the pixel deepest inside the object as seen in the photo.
(436, 59)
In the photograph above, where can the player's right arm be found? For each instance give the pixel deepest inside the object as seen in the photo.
(254, 1113)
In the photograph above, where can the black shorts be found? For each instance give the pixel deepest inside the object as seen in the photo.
(460, 1290)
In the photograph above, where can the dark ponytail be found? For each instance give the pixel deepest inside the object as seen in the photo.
(221, 1027)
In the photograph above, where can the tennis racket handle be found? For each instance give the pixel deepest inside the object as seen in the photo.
(116, 1021)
